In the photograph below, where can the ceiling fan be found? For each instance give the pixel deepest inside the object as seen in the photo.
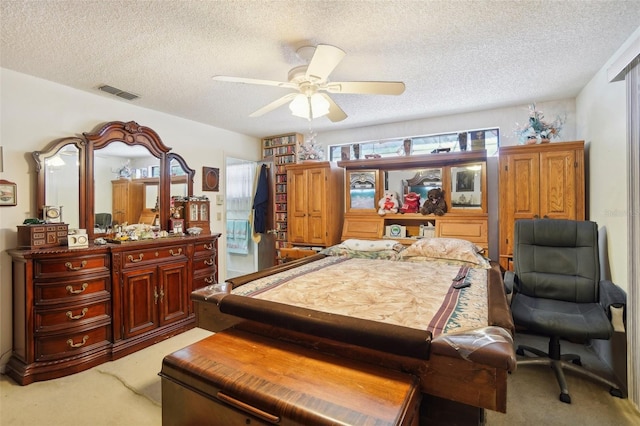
(311, 81)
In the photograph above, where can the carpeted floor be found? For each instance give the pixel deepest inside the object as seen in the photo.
(127, 392)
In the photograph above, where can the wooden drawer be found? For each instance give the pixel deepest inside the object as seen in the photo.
(70, 291)
(73, 343)
(50, 268)
(470, 230)
(142, 256)
(363, 227)
(204, 262)
(208, 247)
(204, 278)
(48, 320)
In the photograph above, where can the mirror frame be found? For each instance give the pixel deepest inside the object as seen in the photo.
(52, 150)
(129, 133)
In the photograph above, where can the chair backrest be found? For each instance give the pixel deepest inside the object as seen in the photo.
(103, 220)
(557, 259)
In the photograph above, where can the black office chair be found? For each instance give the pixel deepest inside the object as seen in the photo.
(557, 292)
(103, 221)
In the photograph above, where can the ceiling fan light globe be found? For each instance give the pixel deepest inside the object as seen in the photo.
(299, 106)
(319, 105)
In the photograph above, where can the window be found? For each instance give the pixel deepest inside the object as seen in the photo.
(467, 140)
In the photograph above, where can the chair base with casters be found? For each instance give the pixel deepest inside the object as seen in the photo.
(558, 362)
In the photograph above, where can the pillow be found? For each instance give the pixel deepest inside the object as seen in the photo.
(343, 251)
(371, 245)
(445, 248)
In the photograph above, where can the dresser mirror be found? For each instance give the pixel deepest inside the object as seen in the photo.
(61, 182)
(120, 174)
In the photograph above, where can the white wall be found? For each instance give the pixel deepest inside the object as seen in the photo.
(34, 112)
(601, 108)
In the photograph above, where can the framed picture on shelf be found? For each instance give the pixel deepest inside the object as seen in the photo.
(8, 193)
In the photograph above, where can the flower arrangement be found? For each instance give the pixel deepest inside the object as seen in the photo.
(536, 129)
(310, 150)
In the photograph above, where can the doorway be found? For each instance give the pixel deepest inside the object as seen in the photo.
(241, 251)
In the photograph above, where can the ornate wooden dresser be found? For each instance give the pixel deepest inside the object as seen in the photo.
(77, 308)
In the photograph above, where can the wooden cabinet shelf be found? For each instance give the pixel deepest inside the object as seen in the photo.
(368, 179)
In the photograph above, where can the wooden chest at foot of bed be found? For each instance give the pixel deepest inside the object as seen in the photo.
(235, 377)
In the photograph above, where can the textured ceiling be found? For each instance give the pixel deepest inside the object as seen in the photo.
(454, 56)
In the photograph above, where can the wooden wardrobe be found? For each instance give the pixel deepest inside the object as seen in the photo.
(539, 181)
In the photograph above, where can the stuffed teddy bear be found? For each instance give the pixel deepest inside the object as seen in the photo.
(434, 203)
(388, 203)
(411, 203)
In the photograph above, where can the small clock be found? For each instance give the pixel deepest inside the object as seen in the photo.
(52, 214)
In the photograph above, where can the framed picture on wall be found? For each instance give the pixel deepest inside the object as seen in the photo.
(8, 193)
(210, 179)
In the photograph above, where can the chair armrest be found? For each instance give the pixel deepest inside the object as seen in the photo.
(613, 299)
(510, 278)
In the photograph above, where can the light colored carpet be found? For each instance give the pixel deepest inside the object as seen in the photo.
(127, 392)
(532, 395)
(139, 371)
(96, 396)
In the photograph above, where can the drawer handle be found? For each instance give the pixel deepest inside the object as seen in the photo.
(155, 295)
(77, 345)
(139, 259)
(209, 262)
(208, 246)
(175, 254)
(209, 280)
(70, 289)
(248, 408)
(77, 317)
(70, 266)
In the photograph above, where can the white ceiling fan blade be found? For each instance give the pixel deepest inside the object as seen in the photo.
(335, 112)
(325, 59)
(255, 81)
(366, 87)
(273, 105)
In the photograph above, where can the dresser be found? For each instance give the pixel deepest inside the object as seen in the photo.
(77, 308)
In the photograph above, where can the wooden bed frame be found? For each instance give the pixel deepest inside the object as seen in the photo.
(469, 368)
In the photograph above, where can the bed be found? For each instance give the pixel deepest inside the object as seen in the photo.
(436, 309)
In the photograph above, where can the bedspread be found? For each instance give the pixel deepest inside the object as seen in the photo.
(418, 295)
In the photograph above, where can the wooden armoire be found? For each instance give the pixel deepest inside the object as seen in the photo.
(539, 181)
(316, 203)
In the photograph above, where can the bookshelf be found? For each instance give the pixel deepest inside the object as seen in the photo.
(280, 150)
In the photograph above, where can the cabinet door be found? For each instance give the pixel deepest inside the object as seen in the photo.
(174, 296)
(558, 184)
(316, 206)
(140, 301)
(298, 193)
(519, 197)
(120, 195)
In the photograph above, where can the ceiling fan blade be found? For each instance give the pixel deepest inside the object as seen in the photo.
(366, 87)
(335, 112)
(255, 81)
(325, 59)
(273, 105)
